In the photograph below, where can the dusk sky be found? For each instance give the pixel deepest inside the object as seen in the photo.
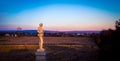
(59, 15)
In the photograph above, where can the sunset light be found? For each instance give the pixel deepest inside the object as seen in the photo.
(61, 16)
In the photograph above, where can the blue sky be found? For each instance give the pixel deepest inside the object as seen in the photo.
(61, 15)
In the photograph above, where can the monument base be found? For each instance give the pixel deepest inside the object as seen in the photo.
(40, 55)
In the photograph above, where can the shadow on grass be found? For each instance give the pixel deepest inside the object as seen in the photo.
(63, 53)
(17, 55)
(54, 53)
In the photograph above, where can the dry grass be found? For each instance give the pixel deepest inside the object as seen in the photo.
(47, 40)
(31, 43)
(58, 48)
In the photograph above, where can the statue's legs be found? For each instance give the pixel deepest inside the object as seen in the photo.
(41, 43)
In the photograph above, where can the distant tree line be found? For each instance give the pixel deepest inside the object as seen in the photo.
(46, 34)
(21, 33)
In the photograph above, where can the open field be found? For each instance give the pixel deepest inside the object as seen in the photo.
(47, 40)
(58, 49)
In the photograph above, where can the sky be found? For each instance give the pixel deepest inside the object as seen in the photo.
(59, 15)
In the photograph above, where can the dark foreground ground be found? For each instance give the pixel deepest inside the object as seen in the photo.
(61, 49)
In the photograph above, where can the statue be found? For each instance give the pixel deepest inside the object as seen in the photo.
(40, 35)
(40, 53)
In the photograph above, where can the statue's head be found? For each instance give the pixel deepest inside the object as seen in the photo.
(41, 24)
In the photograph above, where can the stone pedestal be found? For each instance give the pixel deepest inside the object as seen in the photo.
(40, 55)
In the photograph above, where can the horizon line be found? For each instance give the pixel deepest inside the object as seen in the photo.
(52, 30)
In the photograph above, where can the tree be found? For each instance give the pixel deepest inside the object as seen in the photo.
(117, 24)
(19, 29)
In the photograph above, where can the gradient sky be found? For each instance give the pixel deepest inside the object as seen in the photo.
(60, 15)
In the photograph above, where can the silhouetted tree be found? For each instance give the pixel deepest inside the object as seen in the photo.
(110, 43)
(117, 24)
(19, 32)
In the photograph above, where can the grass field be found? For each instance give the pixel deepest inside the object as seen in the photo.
(47, 40)
(58, 48)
